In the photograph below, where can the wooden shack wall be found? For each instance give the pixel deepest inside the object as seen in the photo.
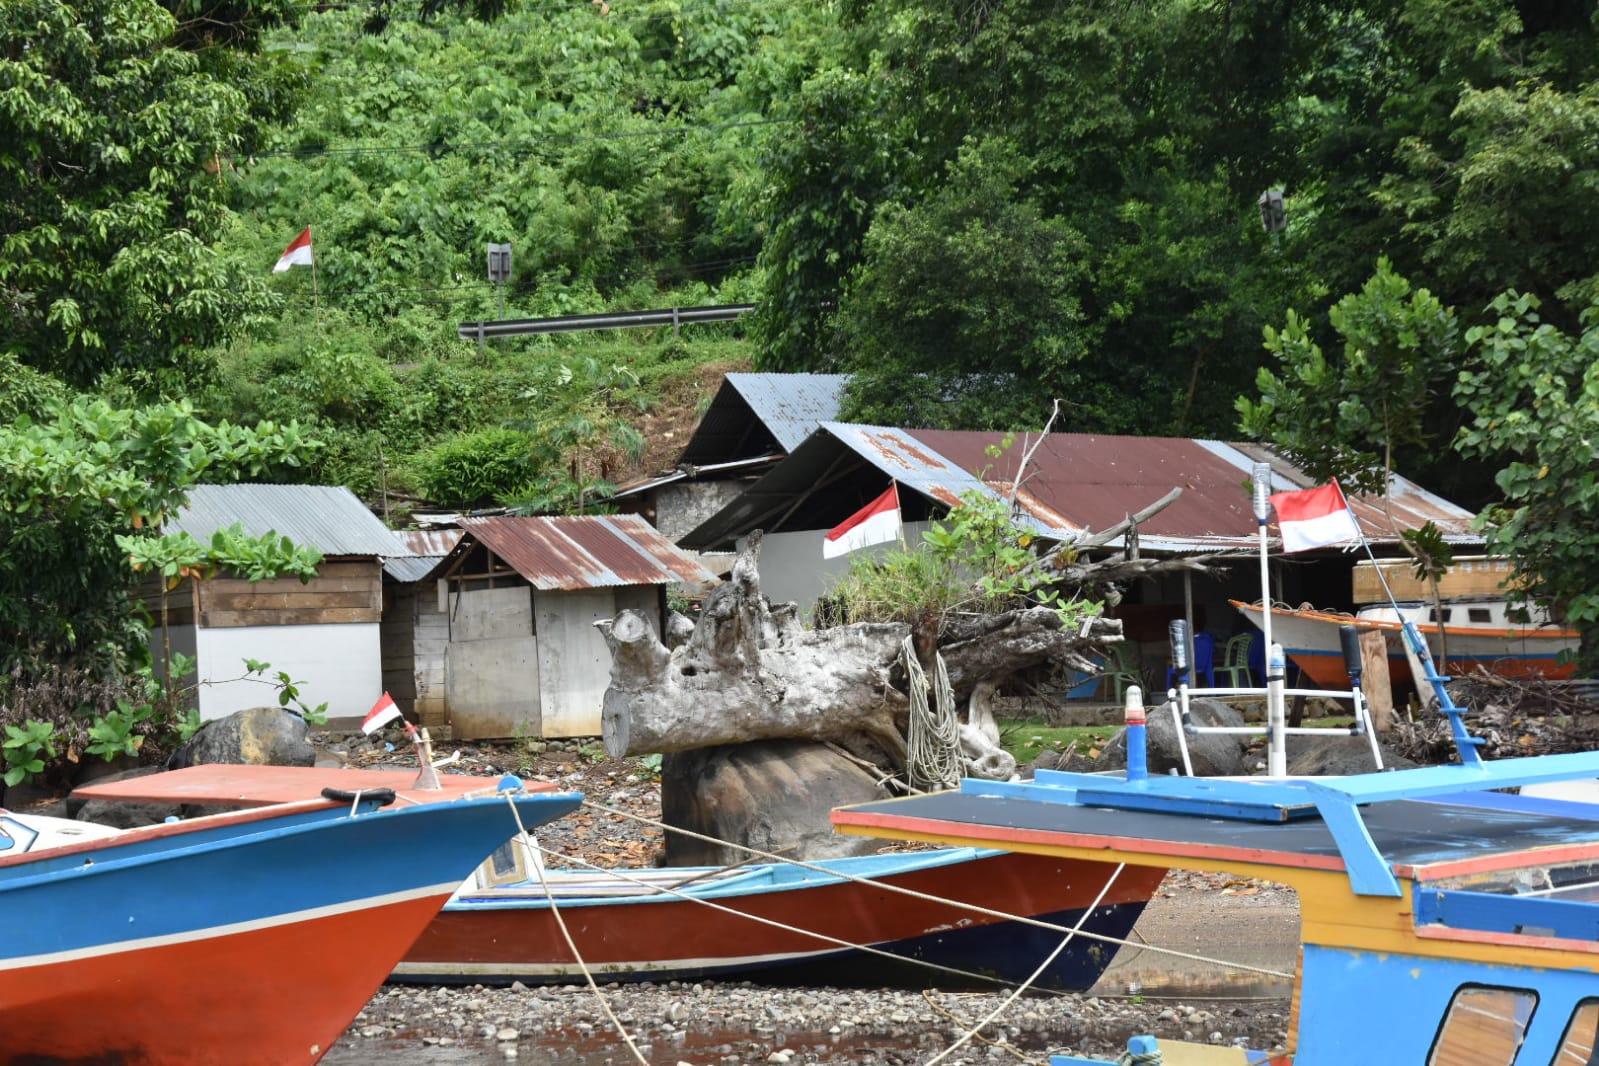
(415, 633)
(342, 591)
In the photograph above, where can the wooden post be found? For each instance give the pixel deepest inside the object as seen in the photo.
(1375, 682)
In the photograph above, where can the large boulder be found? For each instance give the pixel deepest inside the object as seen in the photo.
(1212, 754)
(263, 736)
(1337, 755)
(774, 795)
(118, 813)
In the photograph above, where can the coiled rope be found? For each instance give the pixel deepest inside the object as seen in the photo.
(933, 754)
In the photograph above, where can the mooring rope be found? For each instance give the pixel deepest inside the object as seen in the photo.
(1019, 989)
(560, 922)
(974, 908)
(671, 890)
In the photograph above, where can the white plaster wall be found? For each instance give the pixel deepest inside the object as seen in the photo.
(340, 665)
(792, 567)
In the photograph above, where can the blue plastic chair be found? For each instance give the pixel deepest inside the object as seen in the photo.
(1204, 660)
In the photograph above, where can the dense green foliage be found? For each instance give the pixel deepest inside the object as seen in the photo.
(1534, 392)
(111, 133)
(975, 208)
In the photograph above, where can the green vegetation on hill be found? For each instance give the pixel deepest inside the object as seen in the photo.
(974, 208)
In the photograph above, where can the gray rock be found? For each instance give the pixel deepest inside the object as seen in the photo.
(1212, 754)
(116, 813)
(1337, 754)
(264, 736)
(769, 794)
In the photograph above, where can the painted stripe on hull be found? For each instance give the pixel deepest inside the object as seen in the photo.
(428, 892)
(271, 997)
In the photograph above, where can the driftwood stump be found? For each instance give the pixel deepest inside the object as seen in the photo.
(750, 672)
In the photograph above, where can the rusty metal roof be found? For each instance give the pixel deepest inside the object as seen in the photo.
(584, 551)
(328, 518)
(1072, 483)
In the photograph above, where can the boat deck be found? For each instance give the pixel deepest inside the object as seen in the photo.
(262, 786)
(1429, 823)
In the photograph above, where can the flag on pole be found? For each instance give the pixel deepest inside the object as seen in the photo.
(1314, 518)
(876, 523)
(382, 713)
(298, 253)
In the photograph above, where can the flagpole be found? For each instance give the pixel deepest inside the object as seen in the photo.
(316, 297)
(1276, 741)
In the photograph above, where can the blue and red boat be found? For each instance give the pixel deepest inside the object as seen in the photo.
(253, 936)
(1443, 920)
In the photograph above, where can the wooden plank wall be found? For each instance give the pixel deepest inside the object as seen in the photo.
(342, 591)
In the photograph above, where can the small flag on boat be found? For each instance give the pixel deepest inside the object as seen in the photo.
(298, 253)
(382, 713)
(876, 523)
(1314, 518)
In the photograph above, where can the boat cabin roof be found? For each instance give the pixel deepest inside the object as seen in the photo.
(1429, 823)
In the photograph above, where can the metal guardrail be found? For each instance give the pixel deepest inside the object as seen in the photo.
(670, 316)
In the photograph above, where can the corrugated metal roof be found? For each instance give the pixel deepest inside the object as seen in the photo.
(753, 414)
(427, 546)
(1073, 482)
(586, 551)
(328, 518)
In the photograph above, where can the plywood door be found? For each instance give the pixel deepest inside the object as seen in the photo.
(491, 665)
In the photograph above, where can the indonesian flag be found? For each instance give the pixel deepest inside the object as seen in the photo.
(298, 253)
(382, 713)
(876, 523)
(1314, 518)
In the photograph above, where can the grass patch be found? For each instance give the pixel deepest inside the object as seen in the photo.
(1025, 738)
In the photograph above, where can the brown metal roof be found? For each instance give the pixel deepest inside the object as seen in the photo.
(585, 551)
(1072, 482)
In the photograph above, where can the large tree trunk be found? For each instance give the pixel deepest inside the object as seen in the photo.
(752, 672)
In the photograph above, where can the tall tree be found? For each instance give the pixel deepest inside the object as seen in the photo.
(112, 138)
(1533, 393)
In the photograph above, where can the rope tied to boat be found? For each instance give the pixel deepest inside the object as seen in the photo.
(560, 922)
(1140, 1058)
(957, 904)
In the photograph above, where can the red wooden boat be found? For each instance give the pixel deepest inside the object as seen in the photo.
(782, 921)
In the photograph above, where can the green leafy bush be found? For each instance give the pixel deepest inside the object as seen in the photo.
(476, 469)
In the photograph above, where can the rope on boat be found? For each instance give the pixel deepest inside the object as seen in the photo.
(1019, 989)
(560, 922)
(973, 908)
(671, 890)
(933, 746)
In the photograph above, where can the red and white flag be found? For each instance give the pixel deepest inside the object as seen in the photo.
(876, 523)
(298, 253)
(382, 713)
(1314, 518)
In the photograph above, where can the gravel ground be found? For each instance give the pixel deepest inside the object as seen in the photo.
(727, 1023)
